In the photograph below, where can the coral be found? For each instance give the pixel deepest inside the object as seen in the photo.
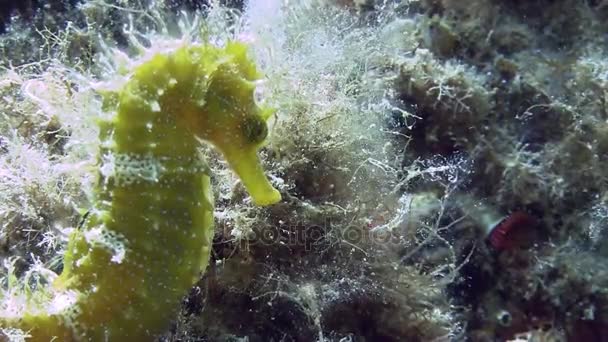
(146, 240)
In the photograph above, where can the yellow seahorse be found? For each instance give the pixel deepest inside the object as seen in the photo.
(148, 237)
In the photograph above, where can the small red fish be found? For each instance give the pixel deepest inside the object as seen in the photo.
(514, 230)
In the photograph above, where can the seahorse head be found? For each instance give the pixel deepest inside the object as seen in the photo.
(227, 116)
(206, 91)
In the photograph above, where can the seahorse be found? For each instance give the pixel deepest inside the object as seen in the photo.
(148, 237)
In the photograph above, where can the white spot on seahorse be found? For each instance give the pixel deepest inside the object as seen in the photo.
(131, 169)
(112, 241)
(155, 106)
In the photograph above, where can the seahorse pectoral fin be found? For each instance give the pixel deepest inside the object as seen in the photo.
(246, 164)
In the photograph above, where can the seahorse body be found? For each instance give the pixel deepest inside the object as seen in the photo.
(149, 235)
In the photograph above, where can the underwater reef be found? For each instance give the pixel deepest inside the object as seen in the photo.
(440, 163)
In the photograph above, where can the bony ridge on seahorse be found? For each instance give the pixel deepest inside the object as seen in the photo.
(149, 235)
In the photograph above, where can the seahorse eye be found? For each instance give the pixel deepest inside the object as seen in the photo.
(254, 129)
